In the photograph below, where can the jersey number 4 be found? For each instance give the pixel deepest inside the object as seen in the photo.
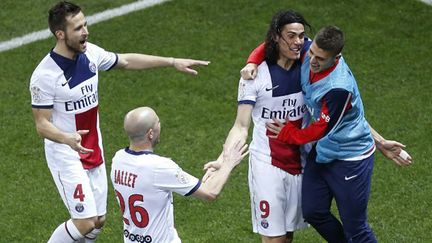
(135, 211)
(78, 193)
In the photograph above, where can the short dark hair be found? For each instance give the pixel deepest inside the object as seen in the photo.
(58, 13)
(279, 20)
(331, 39)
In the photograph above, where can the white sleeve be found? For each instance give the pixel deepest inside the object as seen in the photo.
(247, 92)
(42, 90)
(172, 178)
(105, 59)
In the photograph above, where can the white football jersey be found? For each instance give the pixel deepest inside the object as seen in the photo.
(70, 88)
(143, 184)
(275, 93)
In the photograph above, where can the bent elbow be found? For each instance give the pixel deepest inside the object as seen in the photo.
(210, 197)
(39, 131)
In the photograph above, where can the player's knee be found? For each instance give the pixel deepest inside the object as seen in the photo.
(358, 230)
(289, 237)
(315, 217)
(85, 225)
(307, 213)
(273, 239)
(100, 222)
(311, 214)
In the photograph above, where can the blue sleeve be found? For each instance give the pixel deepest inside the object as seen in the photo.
(337, 102)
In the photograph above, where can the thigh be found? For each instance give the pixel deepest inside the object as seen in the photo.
(351, 183)
(268, 199)
(316, 194)
(75, 190)
(99, 185)
(293, 210)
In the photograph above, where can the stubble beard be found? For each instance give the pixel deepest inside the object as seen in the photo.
(73, 48)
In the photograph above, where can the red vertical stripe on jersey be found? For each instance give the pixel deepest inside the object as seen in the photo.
(88, 121)
(286, 156)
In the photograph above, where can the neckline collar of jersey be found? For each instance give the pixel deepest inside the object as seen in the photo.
(63, 62)
(314, 77)
(292, 67)
(129, 151)
(56, 55)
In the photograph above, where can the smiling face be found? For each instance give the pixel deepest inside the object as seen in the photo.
(290, 41)
(320, 59)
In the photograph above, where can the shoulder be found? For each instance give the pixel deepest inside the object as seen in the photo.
(159, 161)
(342, 72)
(91, 46)
(93, 49)
(165, 162)
(263, 73)
(46, 66)
(262, 66)
(120, 153)
(46, 71)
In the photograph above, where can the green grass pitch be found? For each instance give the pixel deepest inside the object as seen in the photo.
(388, 48)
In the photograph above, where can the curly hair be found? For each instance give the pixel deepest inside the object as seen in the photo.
(279, 20)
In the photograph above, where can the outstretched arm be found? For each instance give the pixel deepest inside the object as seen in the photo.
(238, 132)
(392, 150)
(231, 157)
(134, 61)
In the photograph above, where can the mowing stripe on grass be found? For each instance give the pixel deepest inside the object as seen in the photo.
(93, 19)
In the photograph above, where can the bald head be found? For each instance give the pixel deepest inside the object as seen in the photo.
(138, 122)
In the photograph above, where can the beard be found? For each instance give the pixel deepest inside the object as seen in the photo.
(73, 46)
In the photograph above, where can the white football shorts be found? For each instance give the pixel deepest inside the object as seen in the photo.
(275, 199)
(84, 192)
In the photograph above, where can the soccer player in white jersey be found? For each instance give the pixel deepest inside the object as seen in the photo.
(274, 167)
(64, 91)
(391, 149)
(144, 181)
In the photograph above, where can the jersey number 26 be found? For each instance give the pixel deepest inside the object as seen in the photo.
(143, 219)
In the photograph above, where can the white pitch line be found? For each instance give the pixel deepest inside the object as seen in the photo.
(427, 1)
(93, 19)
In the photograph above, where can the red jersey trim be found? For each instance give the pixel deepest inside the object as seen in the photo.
(314, 77)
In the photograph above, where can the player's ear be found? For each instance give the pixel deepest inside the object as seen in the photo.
(275, 38)
(150, 133)
(60, 34)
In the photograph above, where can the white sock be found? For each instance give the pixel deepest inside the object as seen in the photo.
(65, 233)
(91, 237)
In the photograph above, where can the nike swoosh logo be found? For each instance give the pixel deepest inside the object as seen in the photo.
(272, 88)
(349, 178)
(67, 81)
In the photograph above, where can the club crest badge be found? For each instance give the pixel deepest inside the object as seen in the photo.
(182, 177)
(264, 223)
(242, 89)
(92, 67)
(35, 93)
(79, 207)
